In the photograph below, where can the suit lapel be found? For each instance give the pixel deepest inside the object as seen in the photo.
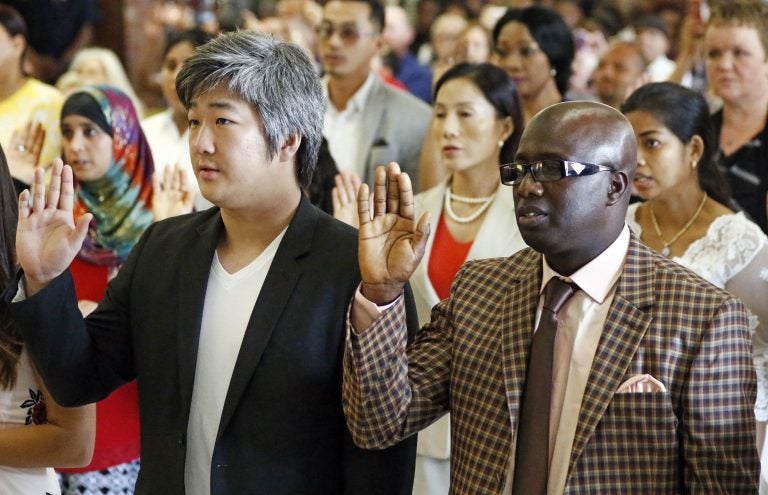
(374, 110)
(278, 286)
(622, 334)
(519, 316)
(193, 280)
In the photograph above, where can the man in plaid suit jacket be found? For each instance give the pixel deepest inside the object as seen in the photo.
(695, 430)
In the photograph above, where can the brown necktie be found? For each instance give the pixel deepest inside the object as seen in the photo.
(532, 451)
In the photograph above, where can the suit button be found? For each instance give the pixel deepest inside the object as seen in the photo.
(181, 441)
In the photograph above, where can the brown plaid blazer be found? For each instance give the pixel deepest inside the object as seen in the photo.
(698, 437)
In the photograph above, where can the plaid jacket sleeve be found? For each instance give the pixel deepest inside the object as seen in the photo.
(392, 390)
(718, 425)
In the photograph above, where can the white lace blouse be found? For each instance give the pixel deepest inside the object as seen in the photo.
(734, 256)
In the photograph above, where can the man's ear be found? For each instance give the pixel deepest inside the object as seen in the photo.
(617, 186)
(290, 147)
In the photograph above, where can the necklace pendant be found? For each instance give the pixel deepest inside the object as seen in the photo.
(665, 251)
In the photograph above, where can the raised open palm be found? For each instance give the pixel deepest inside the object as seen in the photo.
(47, 237)
(391, 243)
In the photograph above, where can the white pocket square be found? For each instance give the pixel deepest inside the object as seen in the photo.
(641, 383)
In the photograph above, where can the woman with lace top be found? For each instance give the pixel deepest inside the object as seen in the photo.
(684, 215)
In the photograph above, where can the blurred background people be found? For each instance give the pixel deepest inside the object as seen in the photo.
(398, 35)
(168, 131)
(443, 37)
(686, 217)
(367, 123)
(536, 48)
(474, 45)
(618, 72)
(690, 66)
(736, 47)
(35, 431)
(29, 108)
(57, 30)
(95, 65)
(653, 40)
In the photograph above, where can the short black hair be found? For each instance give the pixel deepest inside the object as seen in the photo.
(377, 15)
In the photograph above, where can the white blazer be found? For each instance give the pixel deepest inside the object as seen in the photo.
(498, 237)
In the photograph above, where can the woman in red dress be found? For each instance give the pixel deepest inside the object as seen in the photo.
(112, 164)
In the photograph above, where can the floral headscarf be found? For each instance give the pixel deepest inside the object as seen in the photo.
(121, 201)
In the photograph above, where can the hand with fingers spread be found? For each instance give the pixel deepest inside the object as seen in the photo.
(47, 237)
(344, 197)
(171, 194)
(391, 243)
(23, 154)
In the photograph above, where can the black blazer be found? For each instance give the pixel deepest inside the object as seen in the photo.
(282, 429)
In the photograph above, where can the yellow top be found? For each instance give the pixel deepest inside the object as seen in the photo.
(38, 102)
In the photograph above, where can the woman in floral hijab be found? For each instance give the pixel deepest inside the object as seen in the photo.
(112, 164)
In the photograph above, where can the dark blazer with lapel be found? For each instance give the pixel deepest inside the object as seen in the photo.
(282, 429)
(698, 437)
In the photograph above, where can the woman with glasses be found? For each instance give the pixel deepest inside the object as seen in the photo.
(536, 48)
(476, 124)
(685, 216)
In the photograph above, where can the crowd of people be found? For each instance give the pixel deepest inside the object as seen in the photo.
(426, 247)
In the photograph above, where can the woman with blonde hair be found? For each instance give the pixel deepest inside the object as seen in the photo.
(736, 48)
(95, 65)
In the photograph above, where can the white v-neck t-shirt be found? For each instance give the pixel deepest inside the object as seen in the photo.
(229, 302)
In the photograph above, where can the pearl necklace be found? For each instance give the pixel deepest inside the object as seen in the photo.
(665, 249)
(484, 202)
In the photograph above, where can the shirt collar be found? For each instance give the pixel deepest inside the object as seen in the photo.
(357, 102)
(597, 277)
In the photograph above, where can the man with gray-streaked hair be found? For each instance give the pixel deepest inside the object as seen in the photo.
(232, 319)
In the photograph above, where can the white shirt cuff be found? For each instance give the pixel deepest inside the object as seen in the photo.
(364, 311)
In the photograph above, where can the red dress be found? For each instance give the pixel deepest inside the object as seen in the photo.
(446, 258)
(117, 416)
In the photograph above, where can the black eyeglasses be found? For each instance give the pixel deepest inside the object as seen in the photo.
(348, 33)
(512, 174)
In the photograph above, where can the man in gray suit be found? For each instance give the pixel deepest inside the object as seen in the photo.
(367, 122)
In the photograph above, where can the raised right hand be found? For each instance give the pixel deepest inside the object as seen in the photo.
(47, 237)
(344, 197)
(391, 242)
(23, 154)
